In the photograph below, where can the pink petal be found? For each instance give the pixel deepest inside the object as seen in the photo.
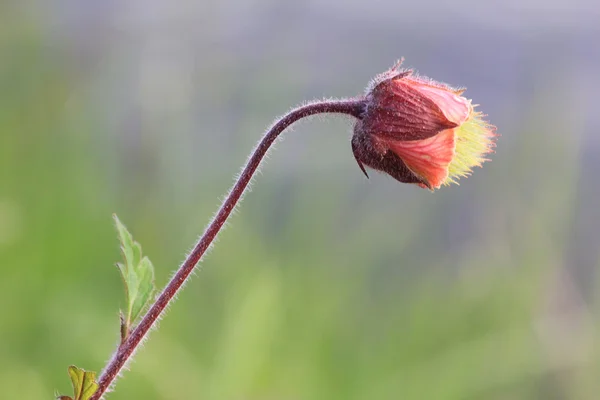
(428, 158)
(455, 108)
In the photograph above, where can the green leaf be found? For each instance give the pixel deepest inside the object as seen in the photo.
(145, 288)
(138, 277)
(84, 384)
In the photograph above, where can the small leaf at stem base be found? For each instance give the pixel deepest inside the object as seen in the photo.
(84, 384)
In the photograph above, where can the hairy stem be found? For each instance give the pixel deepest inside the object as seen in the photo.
(352, 107)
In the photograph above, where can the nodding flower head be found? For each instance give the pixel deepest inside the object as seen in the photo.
(420, 131)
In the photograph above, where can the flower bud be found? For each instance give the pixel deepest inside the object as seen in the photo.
(420, 131)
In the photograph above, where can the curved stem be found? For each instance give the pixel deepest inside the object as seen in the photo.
(352, 107)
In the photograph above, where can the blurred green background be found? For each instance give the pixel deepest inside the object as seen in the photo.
(325, 285)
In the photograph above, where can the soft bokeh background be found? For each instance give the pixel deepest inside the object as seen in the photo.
(325, 285)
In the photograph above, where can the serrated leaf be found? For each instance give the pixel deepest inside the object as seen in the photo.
(132, 250)
(145, 288)
(138, 277)
(84, 384)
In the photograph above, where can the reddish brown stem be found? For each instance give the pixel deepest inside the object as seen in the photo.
(352, 107)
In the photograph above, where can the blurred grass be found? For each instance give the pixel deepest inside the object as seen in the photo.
(323, 287)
